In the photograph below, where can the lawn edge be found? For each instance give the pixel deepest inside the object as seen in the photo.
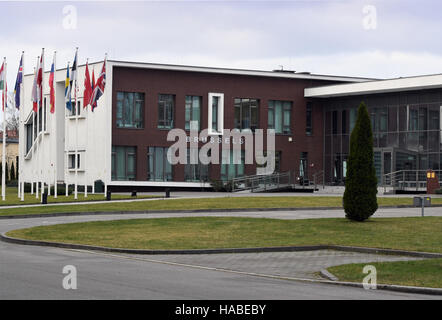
(429, 255)
(60, 214)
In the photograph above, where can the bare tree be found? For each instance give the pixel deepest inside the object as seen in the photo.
(12, 113)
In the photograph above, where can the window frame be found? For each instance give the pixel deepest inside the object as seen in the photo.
(128, 175)
(135, 122)
(219, 114)
(187, 122)
(166, 123)
(245, 103)
(286, 105)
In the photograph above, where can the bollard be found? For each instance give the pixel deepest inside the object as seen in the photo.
(167, 192)
(44, 198)
(108, 195)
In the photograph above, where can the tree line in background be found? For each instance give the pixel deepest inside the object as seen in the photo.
(11, 172)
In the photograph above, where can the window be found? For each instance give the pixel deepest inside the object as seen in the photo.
(71, 161)
(344, 121)
(335, 122)
(158, 167)
(216, 113)
(229, 170)
(166, 106)
(193, 111)
(195, 172)
(308, 119)
(124, 161)
(279, 116)
(130, 110)
(246, 113)
(76, 108)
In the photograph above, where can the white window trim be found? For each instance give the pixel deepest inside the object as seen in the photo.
(220, 114)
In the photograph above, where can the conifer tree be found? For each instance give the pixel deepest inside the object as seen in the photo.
(360, 200)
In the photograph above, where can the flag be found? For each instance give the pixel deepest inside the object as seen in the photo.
(18, 83)
(99, 87)
(3, 85)
(74, 77)
(87, 87)
(37, 92)
(93, 81)
(67, 90)
(51, 87)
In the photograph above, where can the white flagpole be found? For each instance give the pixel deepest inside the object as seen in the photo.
(43, 123)
(4, 137)
(66, 155)
(38, 133)
(21, 134)
(87, 135)
(110, 137)
(76, 127)
(54, 122)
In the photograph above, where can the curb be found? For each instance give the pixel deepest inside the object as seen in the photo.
(332, 279)
(429, 255)
(62, 214)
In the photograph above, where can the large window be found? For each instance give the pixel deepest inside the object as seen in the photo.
(216, 113)
(124, 160)
(158, 167)
(246, 114)
(279, 116)
(195, 172)
(130, 110)
(193, 111)
(229, 170)
(166, 106)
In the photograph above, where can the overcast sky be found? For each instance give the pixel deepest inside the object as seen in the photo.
(326, 37)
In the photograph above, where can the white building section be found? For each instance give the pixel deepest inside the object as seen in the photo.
(47, 156)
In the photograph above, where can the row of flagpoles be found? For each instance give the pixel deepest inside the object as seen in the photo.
(93, 90)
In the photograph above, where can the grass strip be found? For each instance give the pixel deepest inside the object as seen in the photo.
(207, 203)
(418, 273)
(415, 234)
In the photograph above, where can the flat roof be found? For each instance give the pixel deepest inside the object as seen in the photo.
(276, 74)
(378, 86)
(262, 73)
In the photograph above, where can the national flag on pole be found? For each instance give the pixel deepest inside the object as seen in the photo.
(67, 90)
(93, 81)
(37, 92)
(18, 83)
(74, 77)
(87, 87)
(99, 87)
(51, 87)
(3, 85)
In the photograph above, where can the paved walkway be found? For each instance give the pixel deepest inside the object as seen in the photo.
(305, 264)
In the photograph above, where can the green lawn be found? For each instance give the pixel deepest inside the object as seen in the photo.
(204, 203)
(417, 234)
(13, 199)
(420, 273)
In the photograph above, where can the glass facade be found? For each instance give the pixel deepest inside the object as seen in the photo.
(124, 163)
(406, 131)
(158, 167)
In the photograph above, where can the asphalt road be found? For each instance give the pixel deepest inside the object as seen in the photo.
(32, 272)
